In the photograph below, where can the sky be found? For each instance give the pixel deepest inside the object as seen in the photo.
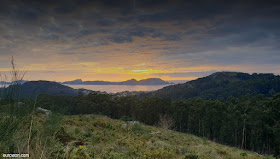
(116, 40)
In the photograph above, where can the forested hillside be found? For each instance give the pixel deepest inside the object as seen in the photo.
(222, 85)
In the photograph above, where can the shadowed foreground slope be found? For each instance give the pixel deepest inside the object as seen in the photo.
(92, 136)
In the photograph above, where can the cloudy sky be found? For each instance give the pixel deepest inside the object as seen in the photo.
(117, 40)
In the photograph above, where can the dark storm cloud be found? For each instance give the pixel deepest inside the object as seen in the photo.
(105, 22)
(189, 10)
(121, 39)
(27, 13)
(3, 8)
(52, 28)
(49, 37)
(81, 33)
(173, 37)
(127, 34)
(66, 8)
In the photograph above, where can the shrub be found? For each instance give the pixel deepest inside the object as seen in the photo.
(77, 130)
(99, 124)
(160, 153)
(137, 128)
(63, 136)
(88, 134)
(221, 152)
(112, 155)
(243, 154)
(191, 156)
(127, 118)
(205, 141)
(52, 124)
(109, 126)
(165, 121)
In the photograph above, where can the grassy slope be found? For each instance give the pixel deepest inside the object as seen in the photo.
(86, 136)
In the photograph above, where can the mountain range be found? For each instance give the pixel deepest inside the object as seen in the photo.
(148, 81)
(215, 86)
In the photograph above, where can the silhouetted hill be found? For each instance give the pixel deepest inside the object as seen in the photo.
(148, 81)
(222, 85)
(34, 88)
(77, 81)
(153, 81)
(129, 82)
(52, 88)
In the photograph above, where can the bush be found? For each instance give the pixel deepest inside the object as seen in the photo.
(243, 154)
(165, 121)
(127, 118)
(52, 124)
(191, 156)
(137, 128)
(63, 136)
(112, 155)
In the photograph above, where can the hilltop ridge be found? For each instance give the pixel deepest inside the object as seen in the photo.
(222, 85)
(35, 88)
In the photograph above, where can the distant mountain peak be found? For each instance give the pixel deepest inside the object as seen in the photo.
(131, 80)
(78, 80)
(152, 79)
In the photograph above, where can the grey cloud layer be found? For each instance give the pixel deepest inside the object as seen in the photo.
(202, 30)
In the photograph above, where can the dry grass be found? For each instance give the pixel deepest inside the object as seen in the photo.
(93, 136)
